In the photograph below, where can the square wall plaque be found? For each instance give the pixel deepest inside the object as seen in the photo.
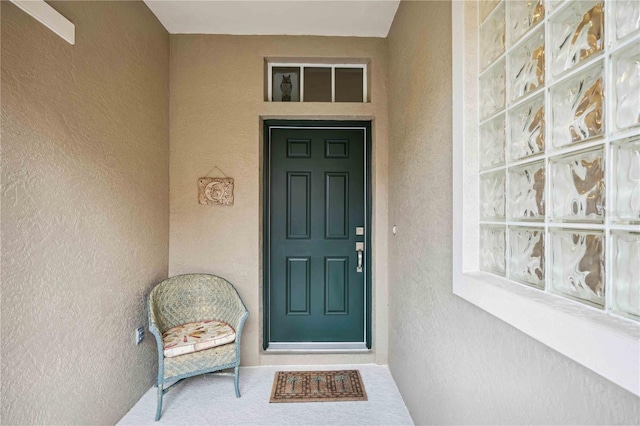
(217, 191)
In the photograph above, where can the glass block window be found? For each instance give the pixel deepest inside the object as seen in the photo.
(559, 148)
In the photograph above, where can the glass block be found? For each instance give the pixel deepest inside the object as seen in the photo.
(626, 15)
(317, 84)
(553, 4)
(523, 14)
(526, 64)
(492, 249)
(626, 75)
(577, 108)
(349, 84)
(527, 128)
(577, 265)
(492, 199)
(526, 255)
(492, 37)
(578, 186)
(526, 191)
(486, 6)
(625, 188)
(492, 89)
(576, 33)
(626, 274)
(492, 139)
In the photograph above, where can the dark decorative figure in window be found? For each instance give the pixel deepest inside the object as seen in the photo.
(286, 87)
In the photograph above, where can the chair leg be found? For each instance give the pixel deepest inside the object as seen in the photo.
(236, 381)
(159, 409)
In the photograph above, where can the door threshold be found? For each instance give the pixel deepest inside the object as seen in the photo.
(317, 347)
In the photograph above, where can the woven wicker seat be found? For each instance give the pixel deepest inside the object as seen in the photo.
(191, 298)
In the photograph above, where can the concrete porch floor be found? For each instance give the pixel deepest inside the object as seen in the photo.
(211, 400)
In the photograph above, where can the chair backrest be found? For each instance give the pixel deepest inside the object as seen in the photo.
(194, 297)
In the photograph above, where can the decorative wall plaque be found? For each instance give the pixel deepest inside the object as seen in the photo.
(218, 191)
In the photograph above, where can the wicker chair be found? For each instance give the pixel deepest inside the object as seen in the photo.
(186, 299)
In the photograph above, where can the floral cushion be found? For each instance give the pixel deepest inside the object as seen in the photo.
(196, 336)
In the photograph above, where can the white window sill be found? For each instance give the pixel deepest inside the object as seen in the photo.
(607, 345)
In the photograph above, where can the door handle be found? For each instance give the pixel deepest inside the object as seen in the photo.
(360, 252)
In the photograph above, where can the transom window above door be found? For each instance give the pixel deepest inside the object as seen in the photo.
(321, 81)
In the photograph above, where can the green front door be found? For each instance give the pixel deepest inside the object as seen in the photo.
(317, 237)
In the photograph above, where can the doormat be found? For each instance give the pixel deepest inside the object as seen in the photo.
(318, 386)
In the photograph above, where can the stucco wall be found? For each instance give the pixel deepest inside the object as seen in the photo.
(84, 210)
(217, 101)
(454, 363)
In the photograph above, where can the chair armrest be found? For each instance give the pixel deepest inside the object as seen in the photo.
(154, 325)
(238, 315)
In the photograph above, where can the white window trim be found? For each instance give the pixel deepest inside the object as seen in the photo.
(607, 345)
(302, 66)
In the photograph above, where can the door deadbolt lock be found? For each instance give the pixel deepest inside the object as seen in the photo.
(360, 253)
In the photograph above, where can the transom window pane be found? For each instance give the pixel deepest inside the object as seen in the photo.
(317, 84)
(349, 85)
(286, 84)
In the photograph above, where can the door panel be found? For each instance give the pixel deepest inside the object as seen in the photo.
(336, 205)
(298, 285)
(316, 199)
(298, 205)
(336, 273)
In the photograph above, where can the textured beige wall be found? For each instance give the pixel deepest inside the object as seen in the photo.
(84, 210)
(217, 100)
(454, 363)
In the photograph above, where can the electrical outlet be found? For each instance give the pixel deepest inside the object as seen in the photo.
(139, 335)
